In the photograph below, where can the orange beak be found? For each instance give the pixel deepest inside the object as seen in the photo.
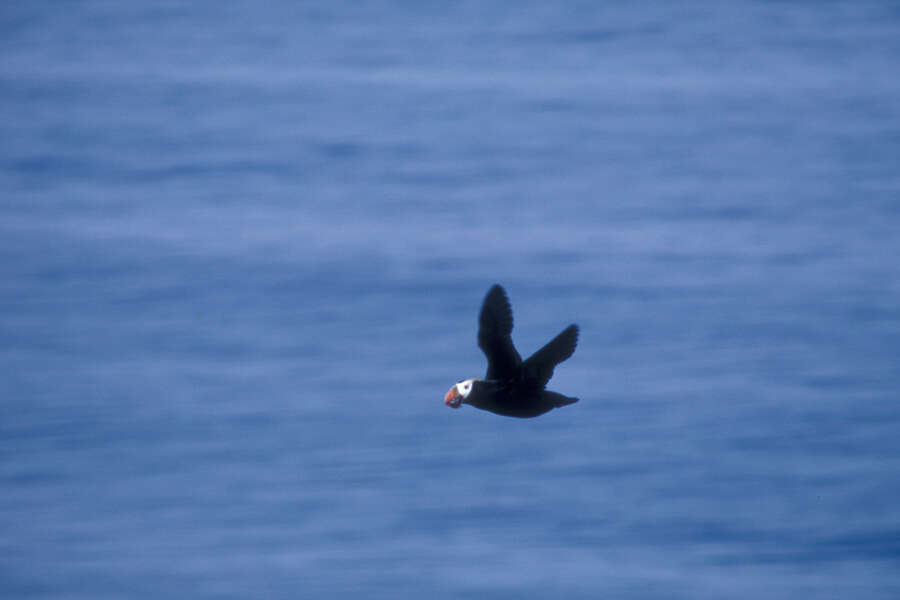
(453, 399)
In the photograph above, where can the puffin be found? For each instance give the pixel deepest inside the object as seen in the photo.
(511, 387)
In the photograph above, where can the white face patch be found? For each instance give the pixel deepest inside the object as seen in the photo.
(464, 387)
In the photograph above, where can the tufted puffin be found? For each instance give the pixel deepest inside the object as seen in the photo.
(511, 387)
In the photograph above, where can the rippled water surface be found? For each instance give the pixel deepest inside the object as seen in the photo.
(243, 247)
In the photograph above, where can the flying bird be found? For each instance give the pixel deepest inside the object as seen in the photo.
(511, 387)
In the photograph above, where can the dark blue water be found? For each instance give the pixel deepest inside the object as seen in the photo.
(243, 247)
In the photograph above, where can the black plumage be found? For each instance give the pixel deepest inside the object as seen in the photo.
(512, 387)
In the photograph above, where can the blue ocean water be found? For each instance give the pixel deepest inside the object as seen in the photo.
(243, 247)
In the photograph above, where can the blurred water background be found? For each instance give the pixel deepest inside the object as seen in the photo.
(243, 246)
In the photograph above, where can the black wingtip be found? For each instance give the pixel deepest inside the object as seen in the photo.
(495, 290)
(573, 330)
(564, 344)
(496, 297)
(496, 313)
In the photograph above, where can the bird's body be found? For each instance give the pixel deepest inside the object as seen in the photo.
(512, 387)
(514, 399)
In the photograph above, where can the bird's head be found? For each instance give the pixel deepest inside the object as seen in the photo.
(458, 393)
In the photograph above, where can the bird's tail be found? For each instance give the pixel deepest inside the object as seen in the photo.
(560, 400)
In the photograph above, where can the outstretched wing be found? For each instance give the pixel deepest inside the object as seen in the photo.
(494, 328)
(539, 366)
